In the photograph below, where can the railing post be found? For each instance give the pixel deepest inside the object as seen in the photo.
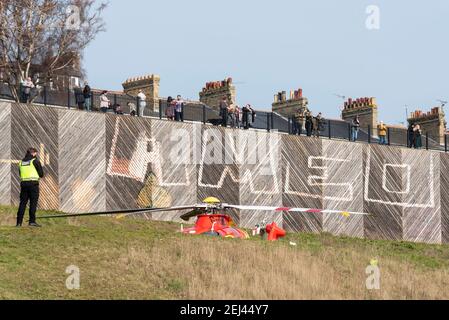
(388, 136)
(330, 130)
(160, 109)
(427, 141)
(68, 97)
(92, 100)
(445, 143)
(268, 122)
(369, 134)
(204, 114)
(182, 112)
(138, 106)
(272, 120)
(409, 143)
(289, 125)
(45, 95)
(349, 132)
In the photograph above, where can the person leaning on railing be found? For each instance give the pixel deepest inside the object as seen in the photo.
(132, 109)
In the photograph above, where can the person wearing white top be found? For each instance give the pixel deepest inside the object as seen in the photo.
(179, 109)
(104, 102)
(27, 85)
(142, 103)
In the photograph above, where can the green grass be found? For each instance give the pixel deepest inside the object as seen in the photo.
(135, 259)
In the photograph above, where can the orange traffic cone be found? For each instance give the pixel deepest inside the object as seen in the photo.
(274, 232)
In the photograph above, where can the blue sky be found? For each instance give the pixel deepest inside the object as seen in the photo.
(322, 46)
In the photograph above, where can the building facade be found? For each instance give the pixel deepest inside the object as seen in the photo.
(149, 84)
(432, 123)
(366, 109)
(214, 92)
(287, 107)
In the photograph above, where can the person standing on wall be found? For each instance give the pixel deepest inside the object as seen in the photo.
(309, 124)
(142, 103)
(382, 131)
(300, 119)
(246, 111)
(224, 112)
(238, 117)
(26, 87)
(170, 110)
(355, 127)
(296, 130)
(104, 102)
(253, 115)
(317, 125)
(30, 170)
(87, 92)
(132, 109)
(231, 114)
(79, 97)
(179, 109)
(411, 135)
(417, 137)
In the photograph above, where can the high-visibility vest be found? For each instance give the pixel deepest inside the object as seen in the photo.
(28, 171)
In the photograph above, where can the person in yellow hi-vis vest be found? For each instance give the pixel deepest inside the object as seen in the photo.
(30, 170)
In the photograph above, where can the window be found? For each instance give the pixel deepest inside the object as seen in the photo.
(74, 82)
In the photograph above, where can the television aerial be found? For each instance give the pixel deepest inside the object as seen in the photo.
(443, 103)
(341, 97)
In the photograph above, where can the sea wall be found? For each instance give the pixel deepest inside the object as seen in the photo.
(97, 162)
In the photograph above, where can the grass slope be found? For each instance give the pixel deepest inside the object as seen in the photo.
(131, 259)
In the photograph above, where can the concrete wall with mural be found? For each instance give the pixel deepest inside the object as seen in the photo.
(97, 162)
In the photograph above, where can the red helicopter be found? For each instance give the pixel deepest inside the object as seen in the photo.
(212, 218)
(211, 222)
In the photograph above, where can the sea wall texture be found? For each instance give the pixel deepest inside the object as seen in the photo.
(97, 162)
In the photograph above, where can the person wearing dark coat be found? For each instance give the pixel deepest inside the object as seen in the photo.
(317, 125)
(30, 171)
(355, 127)
(411, 136)
(309, 124)
(224, 112)
(253, 115)
(87, 93)
(79, 97)
(246, 111)
(417, 137)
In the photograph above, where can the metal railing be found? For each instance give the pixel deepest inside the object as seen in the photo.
(262, 120)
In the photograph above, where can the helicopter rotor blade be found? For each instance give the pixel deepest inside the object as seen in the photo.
(193, 213)
(283, 209)
(119, 212)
